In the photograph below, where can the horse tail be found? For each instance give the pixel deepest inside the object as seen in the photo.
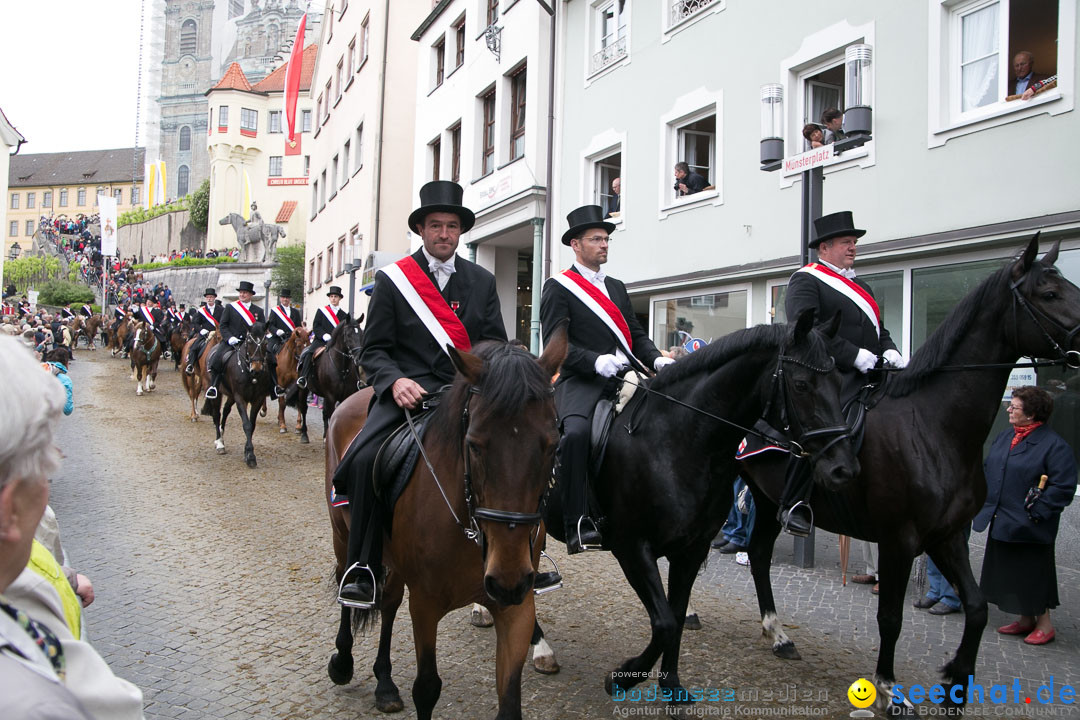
(206, 408)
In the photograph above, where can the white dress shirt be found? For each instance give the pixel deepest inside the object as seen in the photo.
(848, 273)
(596, 278)
(441, 270)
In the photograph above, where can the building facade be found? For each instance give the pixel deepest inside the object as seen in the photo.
(249, 134)
(9, 138)
(67, 184)
(362, 145)
(481, 121)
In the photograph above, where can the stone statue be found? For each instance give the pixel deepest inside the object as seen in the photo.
(257, 239)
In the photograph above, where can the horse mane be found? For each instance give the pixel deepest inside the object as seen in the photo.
(937, 349)
(721, 351)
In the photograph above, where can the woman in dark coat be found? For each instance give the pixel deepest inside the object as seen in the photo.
(1019, 572)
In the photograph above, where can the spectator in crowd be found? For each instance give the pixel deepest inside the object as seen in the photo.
(615, 201)
(811, 132)
(1024, 74)
(740, 521)
(1019, 572)
(58, 370)
(687, 182)
(940, 597)
(833, 120)
(870, 559)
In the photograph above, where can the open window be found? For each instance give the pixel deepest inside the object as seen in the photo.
(606, 192)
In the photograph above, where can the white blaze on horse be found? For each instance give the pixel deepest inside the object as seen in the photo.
(145, 354)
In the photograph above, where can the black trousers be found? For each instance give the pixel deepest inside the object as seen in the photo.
(196, 350)
(574, 468)
(273, 346)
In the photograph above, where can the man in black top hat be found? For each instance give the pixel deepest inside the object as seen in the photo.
(404, 361)
(236, 319)
(606, 340)
(829, 286)
(327, 318)
(207, 320)
(284, 319)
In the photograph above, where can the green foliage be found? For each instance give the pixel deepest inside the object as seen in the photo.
(289, 270)
(62, 292)
(200, 206)
(184, 262)
(141, 214)
(27, 272)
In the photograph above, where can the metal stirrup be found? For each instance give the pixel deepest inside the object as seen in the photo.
(791, 511)
(590, 546)
(556, 586)
(357, 604)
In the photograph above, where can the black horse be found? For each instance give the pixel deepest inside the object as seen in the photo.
(336, 373)
(246, 383)
(665, 485)
(923, 453)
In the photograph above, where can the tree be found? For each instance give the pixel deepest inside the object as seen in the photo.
(288, 271)
(62, 292)
(200, 206)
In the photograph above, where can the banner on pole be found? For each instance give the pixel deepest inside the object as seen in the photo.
(292, 82)
(107, 210)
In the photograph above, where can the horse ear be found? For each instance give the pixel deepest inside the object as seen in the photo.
(1023, 264)
(803, 325)
(833, 325)
(1051, 256)
(470, 366)
(555, 350)
(360, 319)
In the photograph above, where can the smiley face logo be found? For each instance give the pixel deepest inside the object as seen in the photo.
(862, 693)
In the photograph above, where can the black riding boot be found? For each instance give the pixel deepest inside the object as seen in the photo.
(795, 514)
(581, 531)
(305, 369)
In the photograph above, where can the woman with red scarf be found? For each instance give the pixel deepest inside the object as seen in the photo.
(1019, 572)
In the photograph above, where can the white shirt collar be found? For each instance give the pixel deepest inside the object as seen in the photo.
(590, 275)
(848, 273)
(432, 259)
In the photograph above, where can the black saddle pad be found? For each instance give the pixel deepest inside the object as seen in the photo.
(395, 461)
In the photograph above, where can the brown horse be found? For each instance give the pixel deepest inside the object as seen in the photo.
(119, 335)
(145, 354)
(492, 445)
(286, 378)
(195, 384)
(86, 327)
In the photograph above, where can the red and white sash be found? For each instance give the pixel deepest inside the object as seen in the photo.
(862, 299)
(246, 314)
(600, 305)
(331, 315)
(284, 317)
(428, 303)
(148, 315)
(205, 312)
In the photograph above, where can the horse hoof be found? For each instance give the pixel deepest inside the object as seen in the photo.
(389, 702)
(692, 622)
(251, 463)
(342, 675)
(786, 651)
(304, 439)
(283, 430)
(546, 665)
(481, 618)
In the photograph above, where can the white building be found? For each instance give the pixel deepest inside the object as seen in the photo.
(248, 134)
(481, 121)
(362, 149)
(9, 138)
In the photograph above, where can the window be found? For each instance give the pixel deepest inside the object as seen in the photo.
(46, 199)
(360, 146)
(311, 274)
(80, 197)
(307, 165)
(210, 122)
(706, 316)
(340, 79)
(696, 146)
(275, 165)
(63, 197)
(459, 39)
(322, 193)
(436, 157)
(685, 9)
(352, 55)
(185, 139)
(345, 154)
(610, 34)
(365, 40)
(118, 196)
(315, 199)
(340, 256)
(607, 170)
(318, 269)
(223, 117)
(330, 22)
(492, 11)
(487, 148)
(455, 153)
(517, 115)
(29, 228)
(326, 107)
(329, 263)
(249, 121)
(14, 201)
(440, 60)
(136, 193)
(13, 228)
(182, 181)
(305, 121)
(31, 200)
(274, 122)
(335, 176)
(188, 38)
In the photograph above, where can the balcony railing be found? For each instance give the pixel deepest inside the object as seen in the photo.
(608, 55)
(682, 9)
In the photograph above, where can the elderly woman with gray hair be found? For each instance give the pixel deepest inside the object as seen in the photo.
(46, 670)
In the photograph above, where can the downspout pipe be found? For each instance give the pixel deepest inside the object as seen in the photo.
(382, 122)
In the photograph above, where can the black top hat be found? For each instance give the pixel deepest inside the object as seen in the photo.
(284, 293)
(245, 285)
(585, 218)
(837, 224)
(442, 196)
(210, 291)
(334, 290)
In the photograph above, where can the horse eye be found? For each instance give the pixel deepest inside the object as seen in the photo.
(1049, 295)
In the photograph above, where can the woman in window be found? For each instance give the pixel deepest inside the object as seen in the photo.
(814, 136)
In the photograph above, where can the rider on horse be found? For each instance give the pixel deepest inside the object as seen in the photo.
(207, 318)
(284, 319)
(830, 286)
(326, 319)
(235, 321)
(606, 340)
(86, 311)
(419, 305)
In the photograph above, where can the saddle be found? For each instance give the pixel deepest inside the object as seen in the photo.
(317, 352)
(607, 409)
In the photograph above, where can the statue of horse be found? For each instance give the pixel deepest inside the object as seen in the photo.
(922, 454)
(247, 237)
(270, 234)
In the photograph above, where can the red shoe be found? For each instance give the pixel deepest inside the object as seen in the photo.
(1015, 628)
(1039, 637)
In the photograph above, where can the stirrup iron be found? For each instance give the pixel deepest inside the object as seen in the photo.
(558, 585)
(357, 604)
(786, 524)
(590, 546)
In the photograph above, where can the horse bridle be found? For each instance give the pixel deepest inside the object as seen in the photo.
(1071, 358)
(797, 447)
(246, 355)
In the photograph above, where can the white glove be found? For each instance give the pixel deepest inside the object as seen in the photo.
(661, 362)
(234, 341)
(608, 365)
(865, 361)
(204, 331)
(280, 332)
(895, 359)
(326, 337)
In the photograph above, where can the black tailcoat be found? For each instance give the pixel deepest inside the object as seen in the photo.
(321, 325)
(234, 325)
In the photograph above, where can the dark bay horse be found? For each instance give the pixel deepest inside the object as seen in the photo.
(336, 372)
(922, 454)
(665, 485)
(286, 378)
(145, 354)
(492, 445)
(178, 334)
(194, 385)
(245, 383)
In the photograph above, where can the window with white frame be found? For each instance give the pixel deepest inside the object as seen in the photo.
(315, 198)
(459, 42)
(329, 263)
(118, 194)
(326, 105)
(679, 11)
(274, 124)
(695, 145)
(276, 162)
(487, 126)
(31, 200)
(311, 275)
(46, 199)
(80, 197)
(346, 153)
(455, 152)
(335, 175)
(14, 201)
(307, 165)
(249, 120)
(29, 228)
(607, 169)
(610, 19)
(64, 198)
(365, 40)
(322, 192)
(135, 195)
(340, 268)
(223, 117)
(319, 270)
(518, 90)
(305, 121)
(13, 228)
(339, 79)
(352, 55)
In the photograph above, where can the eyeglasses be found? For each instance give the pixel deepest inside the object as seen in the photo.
(598, 239)
(1017, 408)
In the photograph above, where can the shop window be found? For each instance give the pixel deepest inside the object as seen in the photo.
(705, 316)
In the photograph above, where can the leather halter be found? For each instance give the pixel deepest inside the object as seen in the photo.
(1071, 358)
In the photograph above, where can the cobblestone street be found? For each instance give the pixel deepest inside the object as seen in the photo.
(214, 590)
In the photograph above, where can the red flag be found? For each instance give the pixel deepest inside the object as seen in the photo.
(292, 79)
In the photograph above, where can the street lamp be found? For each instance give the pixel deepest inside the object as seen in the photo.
(266, 290)
(15, 250)
(353, 262)
(772, 126)
(858, 90)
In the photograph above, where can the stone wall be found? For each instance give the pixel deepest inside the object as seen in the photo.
(159, 236)
(188, 283)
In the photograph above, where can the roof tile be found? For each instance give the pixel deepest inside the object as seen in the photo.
(233, 79)
(275, 81)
